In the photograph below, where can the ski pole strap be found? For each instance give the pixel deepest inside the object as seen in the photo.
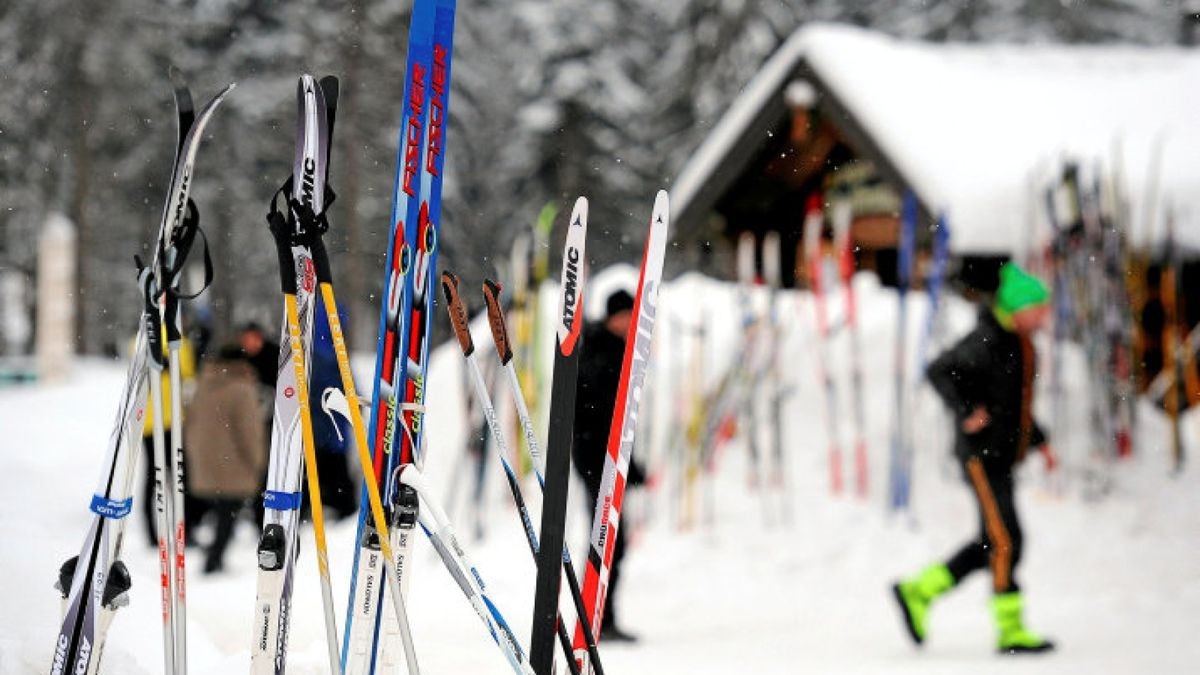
(412, 406)
(321, 261)
(305, 224)
(151, 319)
(175, 253)
(281, 501)
(114, 509)
(208, 271)
(281, 231)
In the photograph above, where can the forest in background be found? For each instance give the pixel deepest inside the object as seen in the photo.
(549, 99)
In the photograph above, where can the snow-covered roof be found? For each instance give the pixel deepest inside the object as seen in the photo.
(973, 128)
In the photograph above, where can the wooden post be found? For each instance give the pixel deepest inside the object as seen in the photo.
(56, 298)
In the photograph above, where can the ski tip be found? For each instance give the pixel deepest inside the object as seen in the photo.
(223, 93)
(307, 83)
(331, 87)
(183, 95)
(579, 213)
(662, 208)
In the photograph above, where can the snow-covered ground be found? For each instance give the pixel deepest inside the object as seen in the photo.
(1115, 580)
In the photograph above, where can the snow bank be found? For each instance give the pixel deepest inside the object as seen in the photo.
(1116, 581)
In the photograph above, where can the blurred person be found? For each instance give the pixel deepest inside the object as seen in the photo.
(226, 442)
(193, 508)
(263, 356)
(987, 379)
(261, 353)
(596, 397)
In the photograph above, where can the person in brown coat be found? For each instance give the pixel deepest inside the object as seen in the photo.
(226, 443)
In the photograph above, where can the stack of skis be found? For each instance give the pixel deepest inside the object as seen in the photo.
(1088, 264)
(96, 583)
(734, 407)
(397, 500)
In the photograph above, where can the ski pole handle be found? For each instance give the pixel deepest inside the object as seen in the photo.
(151, 317)
(458, 313)
(491, 295)
(320, 257)
(283, 248)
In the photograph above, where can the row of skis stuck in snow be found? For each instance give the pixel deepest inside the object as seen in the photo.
(1084, 254)
(710, 418)
(397, 500)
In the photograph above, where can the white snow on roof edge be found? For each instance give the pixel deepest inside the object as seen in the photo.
(977, 130)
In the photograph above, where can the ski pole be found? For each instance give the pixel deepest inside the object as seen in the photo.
(288, 282)
(462, 330)
(441, 534)
(500, 335)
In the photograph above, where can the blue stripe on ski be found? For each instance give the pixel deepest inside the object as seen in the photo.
(281, 501)
(108, 507)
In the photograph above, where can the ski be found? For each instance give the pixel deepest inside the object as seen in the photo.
(553, 471)
(738, 374)
(935, 284)
(504, 352)
(95, 583)
(901, 450)
(843, 217)
(773, 364)
(325, 282)
(362, 623)
(405, 322)
(1118, 319)
(1175, 399)
(539, 406)
(422, 241)
(813, 224)
(291, 430)
(607, 515)
(437, 527)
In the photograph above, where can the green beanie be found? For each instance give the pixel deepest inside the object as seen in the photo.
(1018, 290)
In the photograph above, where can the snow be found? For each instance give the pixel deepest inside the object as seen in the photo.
(1115, 580)
(970, 125)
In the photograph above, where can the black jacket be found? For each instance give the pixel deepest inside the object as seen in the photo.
(994, 368)
(595, 400)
